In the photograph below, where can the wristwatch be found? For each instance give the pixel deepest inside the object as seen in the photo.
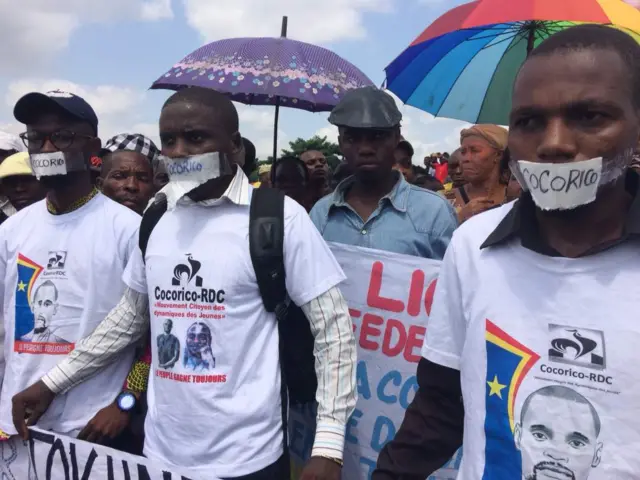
(126, 401)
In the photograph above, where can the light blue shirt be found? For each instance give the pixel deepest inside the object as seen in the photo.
(409, 220)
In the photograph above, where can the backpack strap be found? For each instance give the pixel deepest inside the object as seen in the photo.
(150, 219)
(266, 245)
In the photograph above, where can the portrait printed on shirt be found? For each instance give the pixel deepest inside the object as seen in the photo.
(37, 304)
(198, 355)
(554, 429)
(168, 346)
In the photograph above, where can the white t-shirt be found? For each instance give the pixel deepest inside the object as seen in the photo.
(61, 275)
(547, 349)
(214, 386)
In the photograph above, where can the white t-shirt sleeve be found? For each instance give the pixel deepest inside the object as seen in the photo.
(3, 277)
(447, 326)
(134, 275)
(311, 269)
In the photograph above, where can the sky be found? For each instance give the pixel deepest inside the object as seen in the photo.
(111, 51)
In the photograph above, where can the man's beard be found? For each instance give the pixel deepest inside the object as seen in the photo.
(553, 467)
(59, 182)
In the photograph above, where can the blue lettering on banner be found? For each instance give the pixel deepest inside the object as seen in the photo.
(410, 386)
(352, 423)
(383, 431)
(362, 380)
(394, 377)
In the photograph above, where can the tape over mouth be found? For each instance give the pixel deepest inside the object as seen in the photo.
(568, 185)
(57, 163)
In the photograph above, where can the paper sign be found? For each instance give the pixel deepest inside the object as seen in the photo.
(390, 298)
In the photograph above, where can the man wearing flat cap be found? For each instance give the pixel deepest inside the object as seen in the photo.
(376, 207)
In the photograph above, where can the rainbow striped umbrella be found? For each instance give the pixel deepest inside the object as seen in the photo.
(463, 66)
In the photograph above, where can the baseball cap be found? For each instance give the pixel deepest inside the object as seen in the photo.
(15, 165)
(366, 107)
(32, 104)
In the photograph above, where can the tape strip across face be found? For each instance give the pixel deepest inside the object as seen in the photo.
(56, 163)
(193, 171)
(565, 186)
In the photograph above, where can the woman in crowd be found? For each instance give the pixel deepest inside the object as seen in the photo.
(481, 152)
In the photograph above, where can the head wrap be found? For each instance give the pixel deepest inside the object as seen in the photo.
(11, 142)
(493, 134)
(133, 142)
(264, 169)
(15, 165)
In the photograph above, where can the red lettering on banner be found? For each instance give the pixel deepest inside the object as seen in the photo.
(354, 314)
(369, 323)
(390, 335)
(387, 348)
(428, 296)
(374, 299)
(415, 293)
(415, 338)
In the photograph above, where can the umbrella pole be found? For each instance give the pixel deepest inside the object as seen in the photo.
(531, 38)
(283, 34)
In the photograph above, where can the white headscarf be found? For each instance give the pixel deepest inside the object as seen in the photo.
(9, 141)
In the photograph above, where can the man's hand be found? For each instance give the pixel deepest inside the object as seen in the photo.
(106, 425)
(29, 405)
(320, 468)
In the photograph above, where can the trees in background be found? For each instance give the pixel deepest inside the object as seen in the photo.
(298, 146)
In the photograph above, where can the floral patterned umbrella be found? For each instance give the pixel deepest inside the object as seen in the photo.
(268, 71)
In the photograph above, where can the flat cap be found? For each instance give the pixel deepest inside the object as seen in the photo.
(366, 107)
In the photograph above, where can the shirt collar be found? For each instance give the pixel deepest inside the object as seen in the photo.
(398, 197)
(237, 192)
(520, 221)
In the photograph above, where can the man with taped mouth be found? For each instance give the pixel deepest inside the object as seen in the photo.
(561, 258)
(50, 305)
(232, 415)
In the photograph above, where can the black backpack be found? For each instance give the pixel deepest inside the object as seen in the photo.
(266, 240)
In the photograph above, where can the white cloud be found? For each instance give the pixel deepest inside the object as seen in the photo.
(116, 108)
(328, 21)
(153, 10)
(32, 32)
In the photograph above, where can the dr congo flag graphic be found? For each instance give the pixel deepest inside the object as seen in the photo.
(508, 363)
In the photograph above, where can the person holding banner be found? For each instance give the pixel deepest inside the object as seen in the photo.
(533, 321)
(57, 284)
(376, 207)
(218, 412)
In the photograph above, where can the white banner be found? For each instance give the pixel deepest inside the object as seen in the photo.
(49, 456)
(389, 297)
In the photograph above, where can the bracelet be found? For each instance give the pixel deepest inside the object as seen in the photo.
(334, 460)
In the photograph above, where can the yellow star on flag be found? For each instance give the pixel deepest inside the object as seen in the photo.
(496, 387)
(21, 286)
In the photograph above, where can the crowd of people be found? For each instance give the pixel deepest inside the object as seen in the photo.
(138, 311)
